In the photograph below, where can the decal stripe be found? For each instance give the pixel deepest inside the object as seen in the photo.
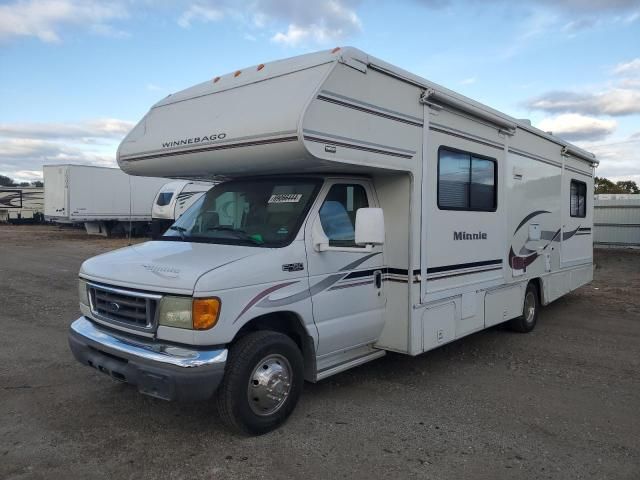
(368, 110)
(568, 235)
(371, 105)
(463, 273)
(261, 295)
(529, 217)
(348, 285)
(356, 147)
(209, 149)
(460, 266)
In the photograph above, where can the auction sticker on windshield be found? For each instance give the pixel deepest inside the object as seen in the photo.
(285, 198)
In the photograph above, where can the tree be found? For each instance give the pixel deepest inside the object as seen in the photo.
(628, 186)
(6, 181)
(24, 184)
(604, 185)
(37, 183)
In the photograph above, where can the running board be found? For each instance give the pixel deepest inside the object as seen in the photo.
(350, 364)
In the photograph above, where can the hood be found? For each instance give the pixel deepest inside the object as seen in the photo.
(171, 267)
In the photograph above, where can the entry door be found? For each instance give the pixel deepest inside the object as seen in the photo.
(346, 286)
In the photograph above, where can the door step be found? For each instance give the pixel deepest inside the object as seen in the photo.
(346, 365)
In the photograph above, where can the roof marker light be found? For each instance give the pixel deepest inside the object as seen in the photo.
(335, 50)
(260, 67)
(237, 74)
(215, 80)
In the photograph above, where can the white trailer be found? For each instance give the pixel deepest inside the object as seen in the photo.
(104, 199)
(21, 204)
(367, 210)
(172, 200)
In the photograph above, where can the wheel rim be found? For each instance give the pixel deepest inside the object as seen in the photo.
(269, 385)
(529, 307)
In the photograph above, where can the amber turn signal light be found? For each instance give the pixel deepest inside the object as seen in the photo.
(205, 313)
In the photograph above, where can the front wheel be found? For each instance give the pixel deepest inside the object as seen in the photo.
(527, 321)
(262, 383)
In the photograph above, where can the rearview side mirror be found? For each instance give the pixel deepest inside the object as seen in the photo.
(369, 226)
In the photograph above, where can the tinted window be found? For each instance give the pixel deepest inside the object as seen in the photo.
(338, 213)
(164, 198)
(466, 182)
(578, 202)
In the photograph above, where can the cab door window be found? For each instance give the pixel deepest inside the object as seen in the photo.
(338, 213)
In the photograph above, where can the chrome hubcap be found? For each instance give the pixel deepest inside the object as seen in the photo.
(529, 307)
(269, 385)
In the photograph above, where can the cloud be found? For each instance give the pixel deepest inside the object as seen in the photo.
(289, 22)
(630, 67)
(98, 128)
(615, 101)
(468, 81)
(25, 147)
(568, 5)
(44, 18)
(29, 155)
(580, 24)
(591, 5)
(573, 127)
(619, 160)
(200, 12)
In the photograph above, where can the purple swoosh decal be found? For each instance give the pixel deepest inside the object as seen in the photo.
(261, 295)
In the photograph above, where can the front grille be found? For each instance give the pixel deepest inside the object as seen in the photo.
(128, 308)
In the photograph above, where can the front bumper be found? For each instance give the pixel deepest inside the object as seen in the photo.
(161, 370)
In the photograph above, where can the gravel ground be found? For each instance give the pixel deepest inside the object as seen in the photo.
(561, 402)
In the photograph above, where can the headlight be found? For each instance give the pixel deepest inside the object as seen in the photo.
(175, 312)
(189, 313)
(83, 292)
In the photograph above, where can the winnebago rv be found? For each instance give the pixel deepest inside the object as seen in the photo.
(21, 204)
(172, 200)
(105, 200)
(365, 210)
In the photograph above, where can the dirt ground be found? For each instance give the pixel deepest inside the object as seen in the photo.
(562, 402)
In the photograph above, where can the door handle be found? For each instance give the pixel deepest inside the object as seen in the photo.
(377, 276)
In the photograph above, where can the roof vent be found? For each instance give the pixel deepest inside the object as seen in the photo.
(525, 121)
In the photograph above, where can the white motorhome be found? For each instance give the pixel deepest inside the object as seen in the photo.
(21, 204)
(106, 200)
(172, 200)
(366, 210)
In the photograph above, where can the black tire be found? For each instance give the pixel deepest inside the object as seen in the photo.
(531, 306)
(245, 358)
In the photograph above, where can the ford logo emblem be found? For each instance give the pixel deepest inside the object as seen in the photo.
(115, 306)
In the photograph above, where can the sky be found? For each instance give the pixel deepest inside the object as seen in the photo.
(76, 75)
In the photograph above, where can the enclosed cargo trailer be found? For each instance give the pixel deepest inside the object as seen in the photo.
(105, 200)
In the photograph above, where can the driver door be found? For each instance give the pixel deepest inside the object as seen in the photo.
(346, 286)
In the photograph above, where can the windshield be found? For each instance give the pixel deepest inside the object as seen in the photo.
(164, 198)
(265, 213)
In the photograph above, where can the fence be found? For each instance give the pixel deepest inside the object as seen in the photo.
(616, 220)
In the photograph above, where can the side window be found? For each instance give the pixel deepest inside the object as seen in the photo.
(578, 201)
(338, 213)
(466, 181)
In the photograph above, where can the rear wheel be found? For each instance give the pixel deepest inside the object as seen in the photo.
(262, 383)
(527, 321)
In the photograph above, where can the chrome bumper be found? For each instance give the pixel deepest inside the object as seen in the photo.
(158, 369)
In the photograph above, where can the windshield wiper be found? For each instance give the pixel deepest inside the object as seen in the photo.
(241, 234)
(180, 231)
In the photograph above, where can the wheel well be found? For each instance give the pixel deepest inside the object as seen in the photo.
(290, 324)
(538, 283)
